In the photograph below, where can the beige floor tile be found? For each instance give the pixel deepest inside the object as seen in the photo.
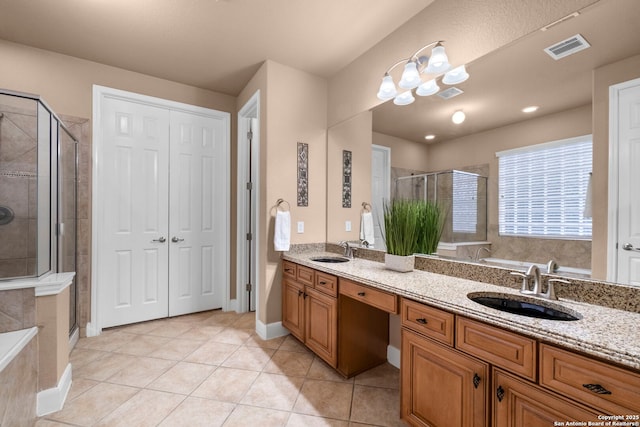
(182, 378)
(202, 333)
(176, 349)
(243, 416)
(141, 371)
(325, 399)
(375, 405)
(146, 409)
(142, 345)
(194, 318)
(320, 370)
(255, 341)
(291, 343)
(273, 391)
(107, 341)
(82, 356)
(90, 407)
(385, 375)
(299, 420)
(196, 412)
(289, 363)
(245, 321)
(144, 327)
(103, 368)
(212, 353)
(253, 359)
(79, 386)
(48, 423)
(222, 319)
(170, 329)
(226, 385)
(233, 336)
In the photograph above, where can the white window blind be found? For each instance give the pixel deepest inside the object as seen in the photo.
(465, 202)
(543, 189)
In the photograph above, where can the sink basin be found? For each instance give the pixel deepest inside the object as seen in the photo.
(330, 259)
(524, 306)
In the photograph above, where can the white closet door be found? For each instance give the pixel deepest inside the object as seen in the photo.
(133, 216)
(198, 213)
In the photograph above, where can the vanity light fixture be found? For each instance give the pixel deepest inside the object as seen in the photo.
(530, 109)
(415, 65)
(458, 117)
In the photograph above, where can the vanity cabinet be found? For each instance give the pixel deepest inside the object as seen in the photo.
(309, 311)
(445, 380)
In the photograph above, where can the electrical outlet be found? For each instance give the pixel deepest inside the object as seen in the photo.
(347, 226)
(300, 227)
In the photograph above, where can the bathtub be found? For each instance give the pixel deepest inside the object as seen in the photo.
(523, 265)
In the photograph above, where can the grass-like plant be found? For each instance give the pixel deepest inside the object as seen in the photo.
(430, 225)
(401, 226)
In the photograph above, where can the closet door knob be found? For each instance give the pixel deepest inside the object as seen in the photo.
(160, 240)
(174, 239)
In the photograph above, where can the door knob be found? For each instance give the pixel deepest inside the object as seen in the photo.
(629, 247)
(174, 239)
(161, 240)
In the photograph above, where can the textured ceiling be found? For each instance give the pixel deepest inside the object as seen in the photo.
(522, 74)
(211, 44)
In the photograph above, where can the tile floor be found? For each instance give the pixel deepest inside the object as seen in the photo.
(211, 369)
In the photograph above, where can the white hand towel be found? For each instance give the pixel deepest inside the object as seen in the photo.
(282, 233)
(366, 228)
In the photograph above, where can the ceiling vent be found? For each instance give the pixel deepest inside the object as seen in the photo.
(567, 47)
(450, 93)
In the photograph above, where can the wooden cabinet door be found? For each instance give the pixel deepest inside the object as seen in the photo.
(293, 308)
(517, 403)
(440, 386)
(321, 325)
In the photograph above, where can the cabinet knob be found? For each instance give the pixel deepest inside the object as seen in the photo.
(360, 294)
(422, 321)
(323, 283)
(476, 380)
(300, 292)
(596, 388)
(500, 393)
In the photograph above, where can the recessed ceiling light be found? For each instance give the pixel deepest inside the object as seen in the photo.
(429, 137)
(458, 117)
(530, 109)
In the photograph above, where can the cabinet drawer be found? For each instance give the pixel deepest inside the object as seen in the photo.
(502, 348)
(304, 275)
(326, 283)
(374, 297)
(429, 321)
(289, 269)
(590, 381)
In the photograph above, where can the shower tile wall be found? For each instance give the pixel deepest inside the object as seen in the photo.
(18, 155)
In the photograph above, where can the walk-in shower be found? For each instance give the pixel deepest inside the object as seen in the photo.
(38, 191)
(462, 194)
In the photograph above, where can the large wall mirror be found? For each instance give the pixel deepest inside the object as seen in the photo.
(502, 83)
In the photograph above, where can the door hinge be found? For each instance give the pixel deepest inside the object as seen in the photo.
(249, 186)
(249, 135)
(249, 236)
(248, 287)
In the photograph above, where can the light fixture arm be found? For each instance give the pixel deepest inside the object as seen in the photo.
(414, 56)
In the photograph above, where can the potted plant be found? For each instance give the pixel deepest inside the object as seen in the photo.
(430, 225)
(401, 233)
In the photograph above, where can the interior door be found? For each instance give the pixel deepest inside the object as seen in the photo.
(132, 220)
(628, 179)
(197, 217)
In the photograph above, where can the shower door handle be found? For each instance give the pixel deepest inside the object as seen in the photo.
(160, 240)
(175, 239)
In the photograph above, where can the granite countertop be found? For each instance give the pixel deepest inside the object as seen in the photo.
(603, 332)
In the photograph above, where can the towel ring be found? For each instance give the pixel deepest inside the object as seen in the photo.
(279, 202)
(366, 207)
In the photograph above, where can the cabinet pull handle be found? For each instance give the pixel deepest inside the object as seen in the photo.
(306, 295)
(476, 380)
(500, 393)
(360, 294)
(422, 320)
(300, 292)
(289, 270)
(323, 283)
(596, 388)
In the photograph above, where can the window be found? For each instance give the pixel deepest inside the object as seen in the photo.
(543, 189)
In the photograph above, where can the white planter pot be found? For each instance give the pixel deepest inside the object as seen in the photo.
(399, 263)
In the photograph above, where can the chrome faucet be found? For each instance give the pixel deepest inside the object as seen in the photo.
(533, 273)
(480, 249)
(348, 250)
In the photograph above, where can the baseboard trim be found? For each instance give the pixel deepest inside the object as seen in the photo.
(52, 399)
(271, 330)
(232, 305)
(393, 356)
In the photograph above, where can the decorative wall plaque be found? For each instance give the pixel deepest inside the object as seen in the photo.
(303, 174)
(346, 179)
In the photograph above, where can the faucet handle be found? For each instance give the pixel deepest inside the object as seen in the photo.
(525, 281)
